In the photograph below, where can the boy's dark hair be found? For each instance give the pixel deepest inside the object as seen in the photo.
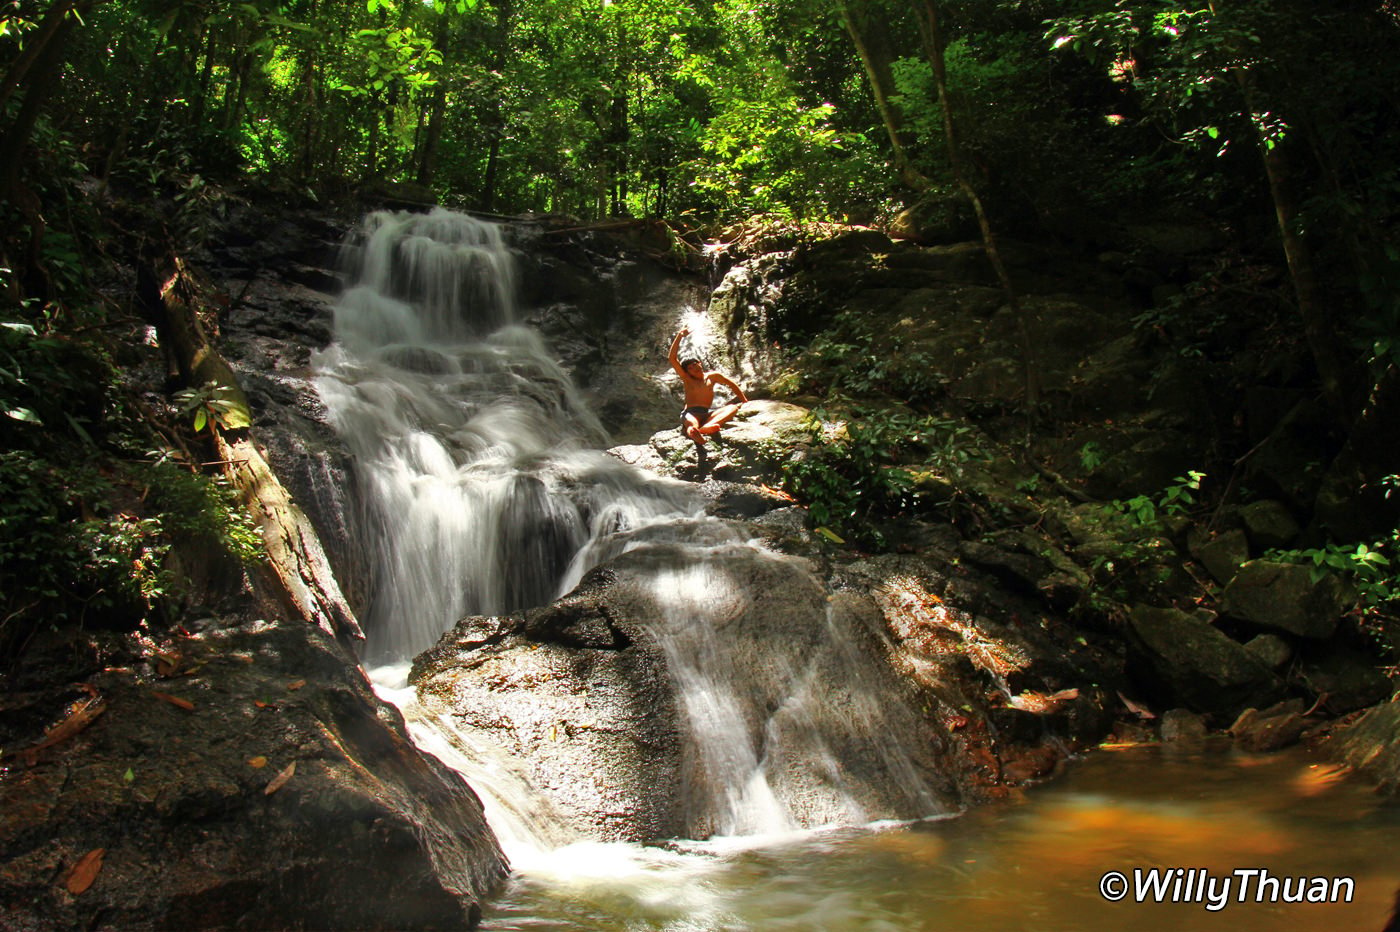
(685, 363)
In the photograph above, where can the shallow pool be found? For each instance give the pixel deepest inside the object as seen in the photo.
(1225, 834)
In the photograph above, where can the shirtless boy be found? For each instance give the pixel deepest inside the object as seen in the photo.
(697, 421)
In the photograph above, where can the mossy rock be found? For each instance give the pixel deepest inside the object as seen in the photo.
(1285, 597)
(1189, 662)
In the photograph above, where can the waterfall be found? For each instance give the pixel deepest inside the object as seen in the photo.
(477, 460)
(484, 492)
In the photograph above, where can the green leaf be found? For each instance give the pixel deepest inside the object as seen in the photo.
(24, 414)
(235, 417)
(830, 535)
(201, 417)
(129, 776)
(79, 430)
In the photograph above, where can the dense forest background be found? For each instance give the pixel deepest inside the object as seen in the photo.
(127, 124)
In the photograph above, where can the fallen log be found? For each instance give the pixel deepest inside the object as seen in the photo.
(179, 304)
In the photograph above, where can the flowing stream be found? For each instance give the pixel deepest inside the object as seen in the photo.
(483, 491)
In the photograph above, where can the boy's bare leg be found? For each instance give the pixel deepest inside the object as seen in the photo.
(718, 419)
(693, 430)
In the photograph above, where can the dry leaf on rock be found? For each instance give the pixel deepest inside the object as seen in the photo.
(85, 871)
(79, 717)
(279, 781)
(174, 700)
(1137, 708)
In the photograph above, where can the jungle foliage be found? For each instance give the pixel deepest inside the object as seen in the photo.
(612, 107)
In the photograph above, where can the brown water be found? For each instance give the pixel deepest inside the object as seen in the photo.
(1034, 865)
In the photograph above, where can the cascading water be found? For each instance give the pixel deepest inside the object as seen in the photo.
(484, 493)
(476, 457)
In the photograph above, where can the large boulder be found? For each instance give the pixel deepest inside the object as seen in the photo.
(705, 683)
(245, 777)
(1344, 680)
(695, 684)
(1286, 597)
(1270, 524)
(1006, 678)
(1372, 745)
(1222, 555)
(1184, 660)
(939, 218)
(750, 448)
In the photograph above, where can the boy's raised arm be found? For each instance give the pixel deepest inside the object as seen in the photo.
(675, 354)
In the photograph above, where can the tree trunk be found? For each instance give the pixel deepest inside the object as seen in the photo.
(618, 136)
(1318, 326)
(205, 75)
(443, 40)
(42, 74)
(374, 117)
(875, 59)
(311, 99)
(35, 45)
(302, 575)
(487, 198)
(427, 160)
(933, 48)
(237, 96)
(495, 116)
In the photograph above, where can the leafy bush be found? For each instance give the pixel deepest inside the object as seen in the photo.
(66, 552)
(1175, 499)
(48, 381)
(852, 359)
(90, 518)
(198, 508)
(88, 544)
(855, 477)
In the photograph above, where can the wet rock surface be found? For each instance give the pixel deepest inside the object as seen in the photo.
(932, 692)
(241, 777)
(1371, 744)
(598, 693)
(750, 448)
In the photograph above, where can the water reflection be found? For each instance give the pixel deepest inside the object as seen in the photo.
(1031, 865)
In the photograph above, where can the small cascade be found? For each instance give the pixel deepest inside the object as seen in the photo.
(794, 719)
(737, 786)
